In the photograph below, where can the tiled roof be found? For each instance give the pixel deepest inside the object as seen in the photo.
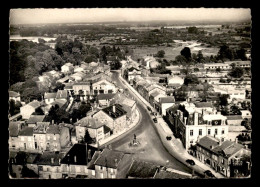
(105, 96)
(26, 158)
(81, 83)
(118, 112)
(46, 158)
(49, 95)
(41, 127)
(162, 174)
(13, 94)
(234, 117)
(35, 104)
(80, 151)
(26, 131)
(154, 94)
(53, 129)
(207, 142)
(35, 119)
(109, 158)
(203, 104)
(142, 169)
(59, 102)
(169, 99)
(89, 122)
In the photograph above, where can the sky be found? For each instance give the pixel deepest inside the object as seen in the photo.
(39, 16)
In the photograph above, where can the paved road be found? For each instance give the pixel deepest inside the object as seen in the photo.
(151, 148)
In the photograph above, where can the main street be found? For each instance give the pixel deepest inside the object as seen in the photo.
(151, 148)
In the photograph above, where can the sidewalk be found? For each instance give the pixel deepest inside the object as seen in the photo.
(174, 146)
(133, 124)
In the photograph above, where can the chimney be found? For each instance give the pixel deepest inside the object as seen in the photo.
(236, 140)
(75, 158)
(52, 122)
(114, 108)
(52, 160)
(59, 161)
(246, 146)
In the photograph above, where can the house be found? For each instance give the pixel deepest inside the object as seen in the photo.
(214, 66)
(132, 72)
(14, 128)
(49, 165)
(39, 133)
(241, 64)
(79, 69)
(29, 108)
(14, 96)
(75, 163)
(91, 166)
(26, 139)
(175, 70)
(149, 62)
(49, 97)
(156, 101)
(31, 122)
(175, 81)
(234, 120)
(57, 137)
(62, 95)
(246, 114)
(104, 99)
(166, 102)
(206, 106)
(152, 88)
(113, 116)
(142, 170)
(83, 89)
(129, 105)
(103, 86)
(23, 164)
(112, 164)
(66, 79)
(224, 156)
(94, 127)
(67, 68)
(190, 123)
(79, 76)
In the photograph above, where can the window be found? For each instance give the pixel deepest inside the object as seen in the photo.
(223, 131)
(101, 175)
(48, 137)
(54, 137)
(222, 161)
(216, 131)
(78, 169)
(208, 131)
(200, 132)
(101, 168)
(191, 132)
(113, 176)
(93, 172)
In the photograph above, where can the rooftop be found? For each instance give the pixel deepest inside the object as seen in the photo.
(41, 127)
(89, 122)
(204, 105)
(53, 129)
(26, 131)
(142, 169)
(62, 94)
(105, 96)
(118, 111)
(91, 165)
(109, 158)
(49, 95)
(14, 128)
(46, 158)
(169, 99)
(35, 104)
(234, 117)
(13, 94)
(80, 152)
(35, 119)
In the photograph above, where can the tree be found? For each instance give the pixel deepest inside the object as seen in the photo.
(30, 72)
(11, 107)
(237, 72)
(186, 53)
(196, 70)
(223, 99)
(241, 54)
(160, 54)
(181, 59)
(218, 70)
(38, 111)
(225, 53)
(200, 57)
(87, 139)
(192, 30)
(191, 79)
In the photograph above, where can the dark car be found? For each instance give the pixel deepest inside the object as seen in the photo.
(191, 162)
(168, 137)
(208, 173)
(148, 108)
(155, 120)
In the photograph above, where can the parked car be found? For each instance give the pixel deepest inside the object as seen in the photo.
(191, 162)
(148, 108)
(155, 120)
(208, 173)
(168, 138)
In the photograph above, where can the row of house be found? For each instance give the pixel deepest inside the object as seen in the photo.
(83, 161)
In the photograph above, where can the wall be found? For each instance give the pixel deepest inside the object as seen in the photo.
(41, 141)
(26, 111)
(64, 137)
(165, 106)
(51, 143)
(28, 140)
